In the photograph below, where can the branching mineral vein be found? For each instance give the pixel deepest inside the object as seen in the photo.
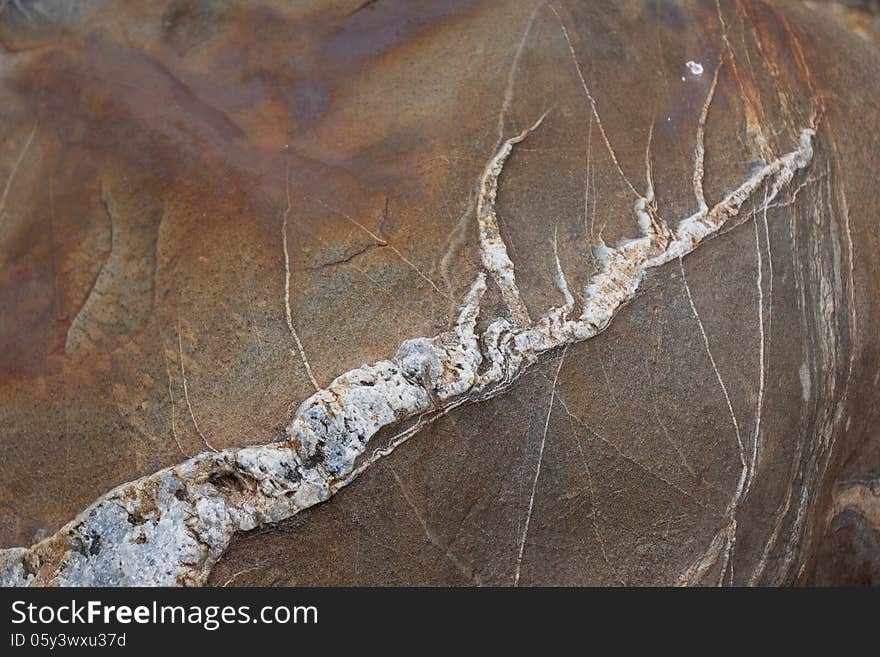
(171, 527)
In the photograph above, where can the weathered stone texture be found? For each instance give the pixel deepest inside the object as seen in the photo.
(214, 214)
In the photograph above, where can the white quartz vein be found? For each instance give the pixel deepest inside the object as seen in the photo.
(171, 527)
(288, 316)
(493, 248)
(700, 147)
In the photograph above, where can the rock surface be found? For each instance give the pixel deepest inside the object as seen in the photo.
(861, 16)
(458, 292)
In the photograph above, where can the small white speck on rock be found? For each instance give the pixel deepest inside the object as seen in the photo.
(694, 67)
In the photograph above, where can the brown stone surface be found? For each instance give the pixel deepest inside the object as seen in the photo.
(861, 16)
(156, 158)
(849, 550)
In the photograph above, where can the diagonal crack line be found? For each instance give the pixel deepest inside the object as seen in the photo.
(288, 316)
(525, 534)
(592, 101)
(431, 535)
(385, 243)
(15, 166)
